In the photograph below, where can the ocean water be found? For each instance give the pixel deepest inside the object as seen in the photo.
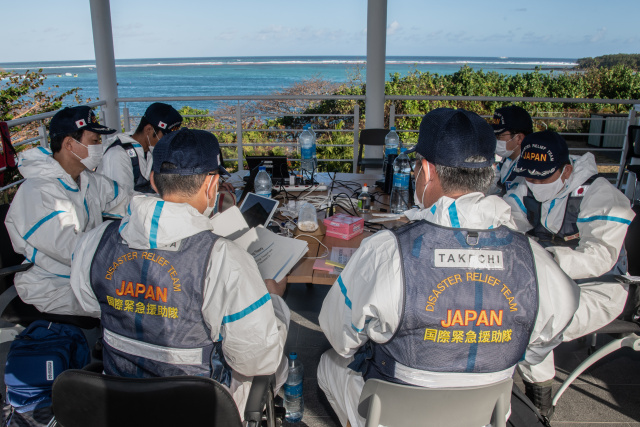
(230, 76)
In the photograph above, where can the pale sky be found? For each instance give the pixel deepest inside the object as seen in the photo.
(57, 30)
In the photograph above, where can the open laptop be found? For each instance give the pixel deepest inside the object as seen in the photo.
(276, 166)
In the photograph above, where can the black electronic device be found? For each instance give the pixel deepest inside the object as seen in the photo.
(258, 210)
(276, 166)
(388, 173)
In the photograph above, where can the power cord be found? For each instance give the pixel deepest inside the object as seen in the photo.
(326, 252)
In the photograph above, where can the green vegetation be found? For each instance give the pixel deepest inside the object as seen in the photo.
(618, 82)
(631, 60)
(24, 95)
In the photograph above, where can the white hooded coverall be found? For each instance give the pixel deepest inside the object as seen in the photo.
(116, 163)
(48, 214)
(253, 343)
(605, 215)
(372, 283)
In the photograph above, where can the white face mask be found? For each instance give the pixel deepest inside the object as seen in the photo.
(415, 195)
(545, 192)
(149, 141)
(501, 148)
(94, 158)
(209, 209)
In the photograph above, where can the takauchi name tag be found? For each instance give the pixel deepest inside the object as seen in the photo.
(461, 258)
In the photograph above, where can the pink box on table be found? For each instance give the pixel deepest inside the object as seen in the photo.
(344, 226)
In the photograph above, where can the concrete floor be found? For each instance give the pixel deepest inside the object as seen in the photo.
(608, 394)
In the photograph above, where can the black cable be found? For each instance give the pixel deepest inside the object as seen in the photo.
(375, 226)
(355, 211)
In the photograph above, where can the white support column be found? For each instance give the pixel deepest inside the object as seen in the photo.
(376, 55)
(105, 61)
(356, 136)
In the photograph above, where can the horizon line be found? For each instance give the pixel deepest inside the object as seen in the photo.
(293, 56)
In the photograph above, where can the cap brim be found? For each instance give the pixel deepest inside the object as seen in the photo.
(534, 174)
(498, 128)
(100, 129)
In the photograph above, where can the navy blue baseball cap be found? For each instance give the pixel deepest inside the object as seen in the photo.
(73, 119)
(163, 116)
(542, 154)
(191, 151)
(456, 138)
(512, 118)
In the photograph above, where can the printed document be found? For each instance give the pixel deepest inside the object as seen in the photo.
(275, 255)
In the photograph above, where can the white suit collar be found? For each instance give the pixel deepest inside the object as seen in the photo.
(473, 210)
(153, 223)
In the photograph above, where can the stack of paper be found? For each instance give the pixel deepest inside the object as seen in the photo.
(275, 255)
(336, 262)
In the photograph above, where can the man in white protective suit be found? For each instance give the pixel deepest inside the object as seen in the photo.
(60, 200)
(455, 298)
(127, 156)
(172, 296)
(582, 220)
(510, 125)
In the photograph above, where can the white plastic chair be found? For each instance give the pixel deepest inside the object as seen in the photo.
(390, 404)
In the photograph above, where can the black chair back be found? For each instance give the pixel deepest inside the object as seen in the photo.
(371, 137)
(633, 135)
(632, 244)
(8, 257)
(633, 150)
(82, 398)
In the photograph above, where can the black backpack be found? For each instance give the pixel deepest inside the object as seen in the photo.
(523, 411)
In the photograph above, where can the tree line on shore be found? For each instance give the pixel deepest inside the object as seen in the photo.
(631, 60)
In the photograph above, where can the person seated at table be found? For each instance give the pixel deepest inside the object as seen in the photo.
(510, 124)
(58, 202)
(173, 297)
(127, 156)
(455, 298)
(582, 220)
(572, 211)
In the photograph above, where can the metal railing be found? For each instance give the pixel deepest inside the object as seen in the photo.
(234, 119)
(238, 119)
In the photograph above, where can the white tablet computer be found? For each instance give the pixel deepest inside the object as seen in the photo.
(258, 210)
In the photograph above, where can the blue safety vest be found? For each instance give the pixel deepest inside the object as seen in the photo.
(568, 235)
(506, 184)
(140, 183)
(150, 303)
(470, 302)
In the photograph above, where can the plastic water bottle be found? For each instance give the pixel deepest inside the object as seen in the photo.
(307, 152)
(262, 184)
(364, 200)
(293, 400)
(391, 143)
(400, 189)
(314, 150)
